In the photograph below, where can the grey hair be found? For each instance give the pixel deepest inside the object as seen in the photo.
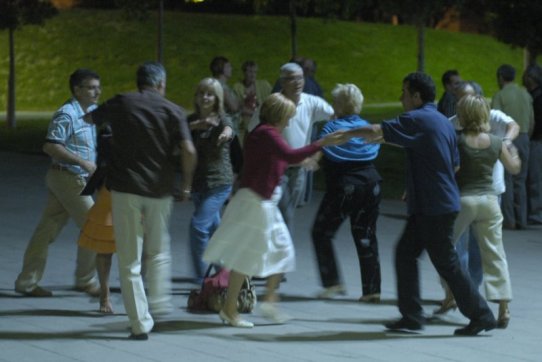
(348, 98)
(150, 74)
(290, 68)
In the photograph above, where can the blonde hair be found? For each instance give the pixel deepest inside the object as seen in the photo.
(347, 98)
(216, 88)
(276, 109)
(473, 114)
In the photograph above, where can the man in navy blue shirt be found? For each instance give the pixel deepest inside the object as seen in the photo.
(432, 201)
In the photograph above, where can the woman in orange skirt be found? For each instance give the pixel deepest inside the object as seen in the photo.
(97, 235)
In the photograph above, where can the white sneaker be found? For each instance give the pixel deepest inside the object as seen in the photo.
(270, 312)
(234, 322)
(333, 291)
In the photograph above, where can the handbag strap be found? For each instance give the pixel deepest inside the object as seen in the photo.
(207, 273)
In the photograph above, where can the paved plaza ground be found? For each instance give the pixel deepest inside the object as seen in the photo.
(67, 326)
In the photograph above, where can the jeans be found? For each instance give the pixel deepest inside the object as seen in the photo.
(468, 252)
(534, 182)
(514, 199)
(205, 220)
(293, 190)
(434, 234)
(361, 204)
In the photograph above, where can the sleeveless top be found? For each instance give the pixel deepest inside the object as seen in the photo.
(475, 176)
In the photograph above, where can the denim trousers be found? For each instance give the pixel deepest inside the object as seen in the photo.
(514, 199)
(205, 220)
(470, 259)
(293, 190)
(534, 182)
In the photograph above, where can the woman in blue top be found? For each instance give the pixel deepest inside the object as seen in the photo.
(352, 190)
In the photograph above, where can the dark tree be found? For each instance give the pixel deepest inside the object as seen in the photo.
(420, 13)
(14, 14)
(518, 23)
(139, 10)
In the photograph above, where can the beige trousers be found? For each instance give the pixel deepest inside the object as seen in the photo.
(484, 214)
(141, 227)
(63, 202)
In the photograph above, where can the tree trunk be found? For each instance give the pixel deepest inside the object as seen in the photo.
(11, 121)
(421, 45)
(293, 28)
(529, 57)
(160, 41)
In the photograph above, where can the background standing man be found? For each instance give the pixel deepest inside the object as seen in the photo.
(71, 143)
(447, 103)
(147, 131)
(309, 110)
(432, 201)
(532, 79)
(518, 104)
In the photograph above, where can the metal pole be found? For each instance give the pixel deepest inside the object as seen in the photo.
(160, 45)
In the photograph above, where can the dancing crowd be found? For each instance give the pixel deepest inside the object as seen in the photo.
(246, 156)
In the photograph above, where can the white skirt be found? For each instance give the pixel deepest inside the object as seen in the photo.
(252, 237)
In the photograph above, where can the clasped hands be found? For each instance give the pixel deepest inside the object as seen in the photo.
(343, 136)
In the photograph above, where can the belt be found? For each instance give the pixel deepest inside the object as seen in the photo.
(61, 168)
(58, 167)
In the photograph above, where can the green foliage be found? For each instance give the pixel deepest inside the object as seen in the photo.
(518, 22)
(376, 57)
(14, 13)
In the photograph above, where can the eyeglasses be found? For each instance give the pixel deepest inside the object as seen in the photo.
(91, 87)
(294, 78)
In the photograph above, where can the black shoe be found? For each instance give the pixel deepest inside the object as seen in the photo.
(138, 337)
(475, 327)
(403, 324)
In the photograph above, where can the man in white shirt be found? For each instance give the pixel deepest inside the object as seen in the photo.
(310, 109)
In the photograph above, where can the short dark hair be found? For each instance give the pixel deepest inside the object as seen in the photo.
(80, 75)
(507, 72)
(448, 75)
(534, 71)
(217, 65)
(248, 64)
(422, 83)
(150, 74)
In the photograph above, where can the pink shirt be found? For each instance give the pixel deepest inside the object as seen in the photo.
(266, 158)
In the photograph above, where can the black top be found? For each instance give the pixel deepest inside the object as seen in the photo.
(537, 107)
(214, 166)
(147, 129)
(103, 150)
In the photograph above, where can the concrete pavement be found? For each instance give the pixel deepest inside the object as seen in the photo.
(67, 327)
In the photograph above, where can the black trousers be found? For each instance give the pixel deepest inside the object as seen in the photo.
(361, 204)
(434, 234)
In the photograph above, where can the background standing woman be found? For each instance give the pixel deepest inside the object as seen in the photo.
(212, 184)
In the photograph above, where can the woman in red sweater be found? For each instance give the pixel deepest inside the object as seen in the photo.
(252, 239)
